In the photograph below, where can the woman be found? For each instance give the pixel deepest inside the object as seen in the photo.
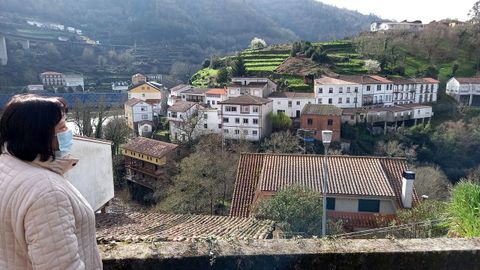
(45, 223)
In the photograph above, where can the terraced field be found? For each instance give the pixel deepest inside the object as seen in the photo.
(265, 60)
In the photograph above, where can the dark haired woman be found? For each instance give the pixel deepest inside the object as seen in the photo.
(45, 223)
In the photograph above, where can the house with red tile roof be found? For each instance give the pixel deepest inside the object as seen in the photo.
(147, 163)
(360, 189)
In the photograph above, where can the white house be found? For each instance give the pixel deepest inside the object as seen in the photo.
(211, 121)
(338, 92)
(259, 87)
(184, 119)
(246, 117)
(145, 128)
(74, 80)
(422, 90)
(291, 103)
(137, 110)
(175, 93)
(35, 87)
(194, 95)
(465, 90)
(396, 26)
(354, 91)
(119, 86)
(215, 95)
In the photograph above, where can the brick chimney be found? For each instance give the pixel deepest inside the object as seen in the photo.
(408, 177)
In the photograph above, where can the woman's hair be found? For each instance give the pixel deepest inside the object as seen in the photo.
(27, 126)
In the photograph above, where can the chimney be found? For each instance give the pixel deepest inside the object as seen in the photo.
(408, 177)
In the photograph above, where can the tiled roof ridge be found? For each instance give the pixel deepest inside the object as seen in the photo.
(319, 155)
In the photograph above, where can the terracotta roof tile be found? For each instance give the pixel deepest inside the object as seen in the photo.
(473, 80)
(321, 109)
(293, 95)
(138, 226)
(246, 100)
(149, 147)
(217, 91)
(133, 101)
(348, 175)
(181, 106)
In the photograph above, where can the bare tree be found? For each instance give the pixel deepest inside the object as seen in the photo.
(116, 131)
(188, 126)
(432, 181)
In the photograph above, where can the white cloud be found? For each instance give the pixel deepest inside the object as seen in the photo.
(425, 10)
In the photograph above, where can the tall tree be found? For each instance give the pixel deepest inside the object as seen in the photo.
(116, 131)
(238, 67)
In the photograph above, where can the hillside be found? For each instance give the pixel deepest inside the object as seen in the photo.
(165, 36)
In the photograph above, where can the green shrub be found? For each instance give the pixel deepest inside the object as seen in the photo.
(465, 209)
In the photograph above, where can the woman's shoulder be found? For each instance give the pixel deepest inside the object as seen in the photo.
(24, 174)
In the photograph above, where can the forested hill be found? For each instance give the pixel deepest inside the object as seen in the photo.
(219, 24)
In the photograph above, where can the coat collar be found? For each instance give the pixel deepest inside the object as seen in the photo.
(59, 165)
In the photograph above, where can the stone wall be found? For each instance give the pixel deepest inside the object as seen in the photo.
(438, 254)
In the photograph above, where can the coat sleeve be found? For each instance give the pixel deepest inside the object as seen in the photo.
(50, 233)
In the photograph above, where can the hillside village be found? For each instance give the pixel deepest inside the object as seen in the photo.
(372, 136)
(244, 109)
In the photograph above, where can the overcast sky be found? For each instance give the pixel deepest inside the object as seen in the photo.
(399, 10)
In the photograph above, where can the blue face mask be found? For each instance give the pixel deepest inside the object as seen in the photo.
(65, 142)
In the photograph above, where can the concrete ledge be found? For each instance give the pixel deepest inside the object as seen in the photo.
(438, 254)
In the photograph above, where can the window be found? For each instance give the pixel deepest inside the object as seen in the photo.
(205, 126)
(319, 101)
(245, 120)
(356, 89)
(320, 90)
(280, 111)
(340, 90)
(330, 90)
(225, 119)
(347, 100)
(330, 101)
(213, 102)
(237, 120)
(255, 121)
(368, 87)
(354, 100)
(379, 87)
(368, 206)
(330, 122)
(330, 203)
(143, 108)
(289, 104)
(205, 116)
(339, 100)
(255, 109)
(309, 121)
(348, 89)
(245, 109)
(143, 95)
(225, 131)
(254, 132)
(144, 116)
(219, 125)
(298, 103)
(230, 108)
(237, 131)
